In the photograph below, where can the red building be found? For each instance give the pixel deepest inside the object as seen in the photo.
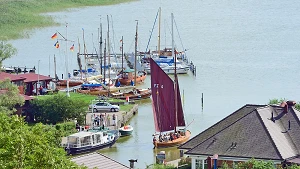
(27, 83)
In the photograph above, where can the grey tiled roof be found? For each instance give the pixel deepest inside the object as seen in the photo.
(252, 133)
(219, 126)
(96, 160)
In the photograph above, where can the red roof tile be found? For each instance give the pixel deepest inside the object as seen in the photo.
(32, 77)
(12, 77)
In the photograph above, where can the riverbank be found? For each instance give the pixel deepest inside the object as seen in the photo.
(18, 18)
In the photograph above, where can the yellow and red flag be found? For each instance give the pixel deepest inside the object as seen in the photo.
(56, 44)
(72, 48)
(54, 36)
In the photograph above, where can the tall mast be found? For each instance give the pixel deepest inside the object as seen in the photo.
(122, 54)
(68, 94)
(84, 50)
(175, 75)
(100, 47)
(159, 21)
(79, 60)
(135, 55)
(104, 70)
(108, 54)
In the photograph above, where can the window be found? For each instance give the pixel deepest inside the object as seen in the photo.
(198, 163)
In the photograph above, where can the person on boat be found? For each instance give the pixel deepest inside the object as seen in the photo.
(160, 138)
(171, 137)
(154, 139)
(118, 84)
(131, 83)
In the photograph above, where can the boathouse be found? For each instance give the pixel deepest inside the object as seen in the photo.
(31, 82)
(19, 81)
(262, 132)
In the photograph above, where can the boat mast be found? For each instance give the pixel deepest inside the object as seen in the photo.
(159, 21)
(100, 47)
(122, 55)
(108, 54)
(175, 75)
(79, 60)
(135, 55)
(68, 79)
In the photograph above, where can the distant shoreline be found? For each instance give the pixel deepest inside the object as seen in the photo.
(20, 16)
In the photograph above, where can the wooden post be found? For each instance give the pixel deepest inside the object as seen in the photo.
(202, 101)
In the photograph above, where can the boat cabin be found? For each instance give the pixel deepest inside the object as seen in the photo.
(128, 74)
(87, 138)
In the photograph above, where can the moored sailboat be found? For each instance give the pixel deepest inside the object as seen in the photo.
(168, 112)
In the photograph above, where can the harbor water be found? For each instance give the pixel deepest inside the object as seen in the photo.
(246, 52)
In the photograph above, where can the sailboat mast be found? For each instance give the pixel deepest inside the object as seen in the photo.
(135, 55)
(122, 55)
(100, 46)
(175, 75)
(104, 74)
(79, 60)
(108, 54)
(67, 74)
(159, 21)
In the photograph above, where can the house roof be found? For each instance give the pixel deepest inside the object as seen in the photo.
(12, 77)
(97, 160)
(32, 77)
(219, 126)
(252, 135)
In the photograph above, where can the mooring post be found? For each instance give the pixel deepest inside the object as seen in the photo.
(202, 102)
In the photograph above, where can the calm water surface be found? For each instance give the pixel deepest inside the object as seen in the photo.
(245, 52)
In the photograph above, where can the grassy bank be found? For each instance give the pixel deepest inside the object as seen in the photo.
(17, 16)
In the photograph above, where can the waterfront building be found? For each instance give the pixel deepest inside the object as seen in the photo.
(262, 132)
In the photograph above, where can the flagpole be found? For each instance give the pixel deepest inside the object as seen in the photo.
(68, 93)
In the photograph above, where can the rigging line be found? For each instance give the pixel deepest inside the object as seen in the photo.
(131, 45)
(179, 37)
(151, 33)
(112, 26)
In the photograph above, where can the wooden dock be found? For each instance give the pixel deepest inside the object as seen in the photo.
(122, 117)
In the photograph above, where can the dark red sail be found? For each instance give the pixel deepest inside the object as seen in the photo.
(180, 115)
(163, 103)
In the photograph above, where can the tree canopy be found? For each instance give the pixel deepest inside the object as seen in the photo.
(27, 147)
(9, 96)
(57, 108)
(6, 51)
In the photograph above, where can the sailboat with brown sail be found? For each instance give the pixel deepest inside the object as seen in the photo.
(168, 112)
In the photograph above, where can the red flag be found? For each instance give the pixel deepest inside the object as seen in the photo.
(72, 48)
(54, 36)
(56, 44)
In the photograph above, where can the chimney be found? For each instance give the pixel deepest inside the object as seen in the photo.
(132, 161)
(291, 103)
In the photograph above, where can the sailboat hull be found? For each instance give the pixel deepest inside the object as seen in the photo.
(173, 143)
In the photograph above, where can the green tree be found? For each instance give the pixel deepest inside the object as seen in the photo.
(24, 147)
(6, 51)
(58, 108)
(9, 96)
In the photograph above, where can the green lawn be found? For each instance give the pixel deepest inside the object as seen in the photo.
(87, 100)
